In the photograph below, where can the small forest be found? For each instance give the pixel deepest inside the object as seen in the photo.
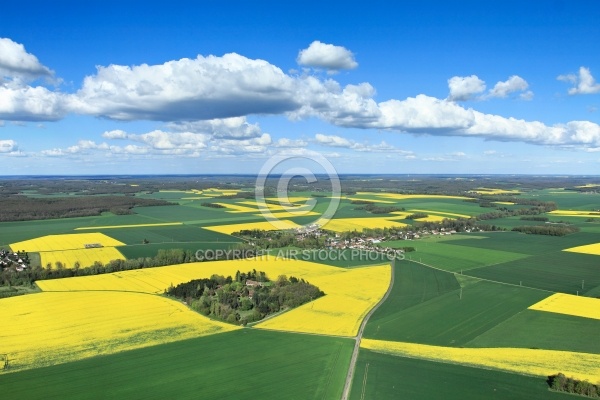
(247, 297)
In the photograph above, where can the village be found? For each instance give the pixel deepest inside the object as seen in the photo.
(10, 259)
(311, 242)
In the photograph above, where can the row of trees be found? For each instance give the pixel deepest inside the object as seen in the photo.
(534, 218)
(561, 383)
(376, 209)
(551, 230)
(503, 212)
(418, 215)
(212, 205)
(12, 277)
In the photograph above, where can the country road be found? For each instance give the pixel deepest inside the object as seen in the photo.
(351, 368)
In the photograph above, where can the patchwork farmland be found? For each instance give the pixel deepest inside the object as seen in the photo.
(485, 311)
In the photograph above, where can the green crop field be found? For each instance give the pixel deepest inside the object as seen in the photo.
(543, 330)
(110, 219)
(244, 364)
(567, 200)
(346, 258)
(162, 234)
(449, 320)
(463, 290)
(528, 244)
(511, 222)
(178, 213)
(151, 249)
(413, 285)
(447, 256)
(11, 232)
(381, 377)
(558, 271)
(455, 206)
(349, 210)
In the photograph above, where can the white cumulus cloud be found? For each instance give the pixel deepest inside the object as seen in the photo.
(227, 128)
(8, 146)
(15, 61)
(464, 88)
(327, 56)
(584, 82)
(31, 104)
(188, 89)
(514, 84)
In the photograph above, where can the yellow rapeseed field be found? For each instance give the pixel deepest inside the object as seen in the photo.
(350, 294)
(65, 242)
(483, 190)
(270, 206)
(441, 213)
(234, 208)
(85, 257)
(292, 214)
(508, 203)
(570, 213)
(87, 228)
(358, 224)
(252, 207)
(400, 214)
(70, 248)
(561, 303)
(398, 196)
(371, 200)
(53, 328)
(292, 199)
(433, 218)
(524, 361)
(213, 192)
(587, 249)
(267, 226)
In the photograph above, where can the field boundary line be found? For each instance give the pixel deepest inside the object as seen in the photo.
(483, 279)
(301, 333)
(492, 328)
(353, 360)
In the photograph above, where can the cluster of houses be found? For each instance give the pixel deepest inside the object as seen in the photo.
(364, 241)
(18, 260)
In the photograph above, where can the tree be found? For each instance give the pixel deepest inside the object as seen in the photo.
(282, 280)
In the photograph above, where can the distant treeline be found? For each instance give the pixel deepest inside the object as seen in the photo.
(404, 184)
(534, 218)
(376, 209)
(107, 185)
(561, 383)
(417, 216)
(23, 208)
(551, 230)
(538, 207)
(212, 205)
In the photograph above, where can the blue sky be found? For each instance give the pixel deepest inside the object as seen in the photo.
(219, 87)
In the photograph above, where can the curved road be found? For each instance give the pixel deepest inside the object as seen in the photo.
(357, 338)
